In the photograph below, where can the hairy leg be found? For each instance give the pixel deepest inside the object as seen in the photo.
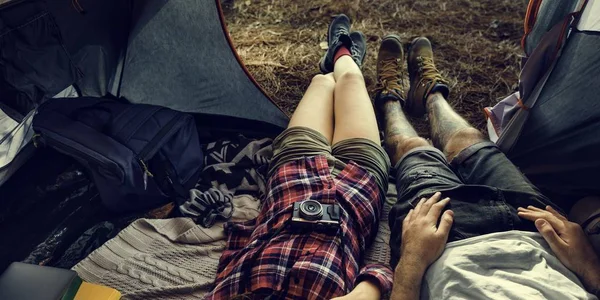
(354, 114)
(315, 110)
(400, 136)
(450, 132)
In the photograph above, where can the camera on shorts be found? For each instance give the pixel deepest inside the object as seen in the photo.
(311, 214)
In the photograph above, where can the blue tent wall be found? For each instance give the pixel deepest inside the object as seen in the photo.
(179, 56)
(170, 53)
(555, 141)
(560, 141)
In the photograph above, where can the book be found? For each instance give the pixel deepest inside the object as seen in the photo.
(89, 291)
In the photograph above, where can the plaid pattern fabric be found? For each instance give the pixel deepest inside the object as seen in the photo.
(266, 257)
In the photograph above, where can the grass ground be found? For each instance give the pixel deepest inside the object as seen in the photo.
(476, 43)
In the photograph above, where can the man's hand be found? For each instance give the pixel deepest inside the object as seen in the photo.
(423, 241)
(365, 290)
(568, 241)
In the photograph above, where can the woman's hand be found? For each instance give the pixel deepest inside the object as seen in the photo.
(365, 290)
(568, 241)
(423, 241)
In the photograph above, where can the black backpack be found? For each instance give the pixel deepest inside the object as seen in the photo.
(140, 156)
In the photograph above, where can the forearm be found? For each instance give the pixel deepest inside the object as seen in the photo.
(407, 280)
(367, 289)
(591, 279)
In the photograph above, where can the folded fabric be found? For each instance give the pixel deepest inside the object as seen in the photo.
(232, 166)
(206, 207)
(163, 259)
(236, 166)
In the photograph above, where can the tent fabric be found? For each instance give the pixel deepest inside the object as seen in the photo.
(549, 13)
(16, 137)
(558, 145)
(34, 64)
(45, 46)
(190, 66)
(555, 140)
(589, 19)
(171, 53)
(15, 146)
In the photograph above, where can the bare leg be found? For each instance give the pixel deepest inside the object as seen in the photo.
(315, 110)
(354, 114)
(400, 136)
(450, 132)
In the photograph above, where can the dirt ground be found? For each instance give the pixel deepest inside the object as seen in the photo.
(476, 43)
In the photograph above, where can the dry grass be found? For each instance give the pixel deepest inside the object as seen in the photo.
(476, 43)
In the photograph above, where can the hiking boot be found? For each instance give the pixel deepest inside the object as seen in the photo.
(338, 35)
(425, 79)
(358, 48)
(389, 71)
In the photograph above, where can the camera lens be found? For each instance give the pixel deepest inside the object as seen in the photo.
(311, 210)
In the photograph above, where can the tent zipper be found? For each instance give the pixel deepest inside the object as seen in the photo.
(143, 155)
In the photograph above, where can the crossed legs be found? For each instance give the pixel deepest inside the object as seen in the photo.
(338, 106)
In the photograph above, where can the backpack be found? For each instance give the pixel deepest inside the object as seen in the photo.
(139, 156)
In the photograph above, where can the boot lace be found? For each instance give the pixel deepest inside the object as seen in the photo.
(428, 71)
(389, 76)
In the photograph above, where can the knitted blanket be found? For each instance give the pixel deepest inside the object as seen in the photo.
(163, 258)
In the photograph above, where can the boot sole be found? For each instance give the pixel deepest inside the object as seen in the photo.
(398, 39)
(393, 36)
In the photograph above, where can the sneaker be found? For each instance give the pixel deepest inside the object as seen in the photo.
(425, 79)
(358, 48)
(338, 35)
(389, 71)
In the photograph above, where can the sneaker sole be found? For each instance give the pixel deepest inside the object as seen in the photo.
(322, 66)
(364, 37)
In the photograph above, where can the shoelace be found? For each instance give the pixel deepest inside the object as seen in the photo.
(354, 51)
(341, 31)
(389, 76)
(428, 71)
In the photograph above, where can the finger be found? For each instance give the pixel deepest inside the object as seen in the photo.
(446, 224)
(436, 209)
(419, 206)
(555, 213)
(550, 235)
(529, 215)
(556, 223)
(523, 209)
(427, 204)
(531, 207)
(408, 217)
